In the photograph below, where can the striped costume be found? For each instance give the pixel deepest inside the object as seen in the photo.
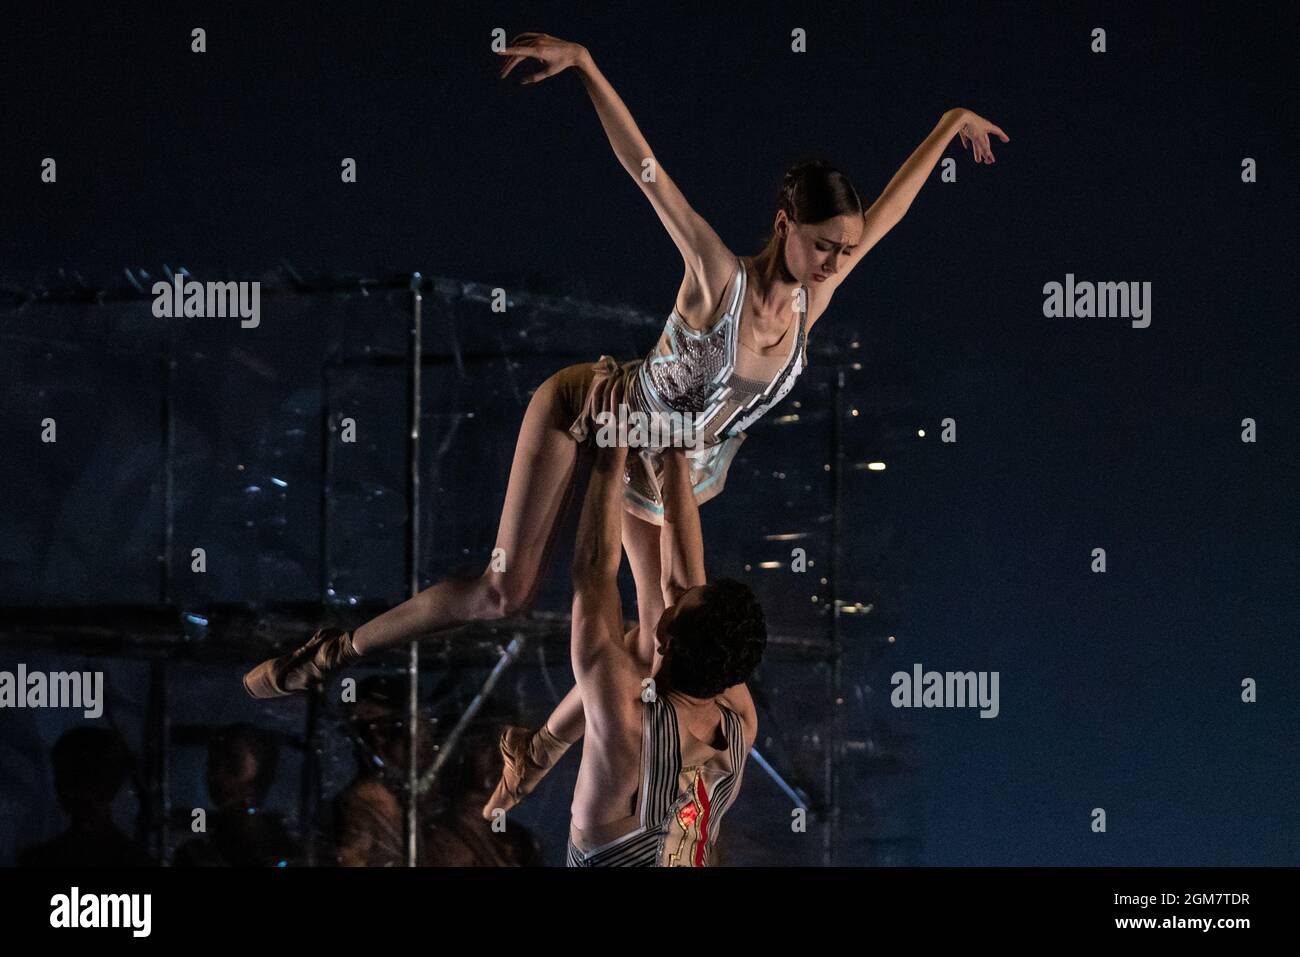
(681, 802)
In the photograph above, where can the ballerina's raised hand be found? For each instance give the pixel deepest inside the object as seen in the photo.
(555, 55)
(975, 135)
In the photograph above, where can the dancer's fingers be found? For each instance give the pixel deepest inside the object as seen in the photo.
(511, 66)
(541, 75)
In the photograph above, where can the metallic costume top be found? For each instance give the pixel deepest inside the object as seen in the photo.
(682, 798)
(693, 374)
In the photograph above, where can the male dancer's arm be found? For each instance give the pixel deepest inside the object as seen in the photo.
(606, 674)
(681, 540)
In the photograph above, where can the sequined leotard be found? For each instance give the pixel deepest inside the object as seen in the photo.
(690, 372)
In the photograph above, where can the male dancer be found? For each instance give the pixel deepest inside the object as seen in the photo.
(663, 758)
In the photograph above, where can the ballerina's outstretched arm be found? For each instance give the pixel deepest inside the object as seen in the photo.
(893, 203)
(695, 239)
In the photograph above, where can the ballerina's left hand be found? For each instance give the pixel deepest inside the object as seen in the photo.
(555, 55)
(974, 134)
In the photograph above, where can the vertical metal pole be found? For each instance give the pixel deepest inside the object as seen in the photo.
(169, 450)
(830, 833)
(160, 800)
(159, 725)
(311, 776)
(310, 783)
(413, 569)
(326, 463)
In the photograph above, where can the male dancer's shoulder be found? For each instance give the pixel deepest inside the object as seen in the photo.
(739, 700)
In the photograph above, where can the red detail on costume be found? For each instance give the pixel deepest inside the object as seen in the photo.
(702, 797)
(687, 815)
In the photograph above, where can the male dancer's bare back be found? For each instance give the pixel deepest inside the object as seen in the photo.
(609, 679)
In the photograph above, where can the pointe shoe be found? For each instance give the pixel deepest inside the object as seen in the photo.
(527, 756)
(325, 652)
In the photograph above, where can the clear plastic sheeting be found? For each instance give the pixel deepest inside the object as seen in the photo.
(201, 510)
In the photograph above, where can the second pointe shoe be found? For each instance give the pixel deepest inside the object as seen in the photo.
(527, 756)
(324, 653)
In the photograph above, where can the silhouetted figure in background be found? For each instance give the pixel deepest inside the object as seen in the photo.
(458, 836)
(90, 767)
(369, 812)
(242, 762)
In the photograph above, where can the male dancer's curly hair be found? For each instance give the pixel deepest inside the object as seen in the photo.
(719, 642)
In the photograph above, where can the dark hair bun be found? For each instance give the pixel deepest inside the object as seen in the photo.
(803, 166)
(794, 175)
(813, 191)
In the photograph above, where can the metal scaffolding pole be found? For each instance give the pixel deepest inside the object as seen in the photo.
(413, 569)
(835, 746)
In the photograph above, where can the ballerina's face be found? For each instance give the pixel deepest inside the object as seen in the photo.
(814, 252)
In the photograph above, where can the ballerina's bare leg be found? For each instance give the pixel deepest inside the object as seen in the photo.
(541, 481)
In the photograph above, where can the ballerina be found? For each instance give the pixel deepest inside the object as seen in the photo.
(731, 349)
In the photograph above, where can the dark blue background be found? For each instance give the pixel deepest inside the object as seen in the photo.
(1118, 690)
